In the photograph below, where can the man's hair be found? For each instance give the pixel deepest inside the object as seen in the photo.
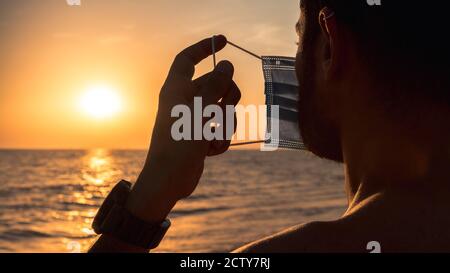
(403, 42)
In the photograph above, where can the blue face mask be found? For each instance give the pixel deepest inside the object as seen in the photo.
(281, 91)
(282, 100)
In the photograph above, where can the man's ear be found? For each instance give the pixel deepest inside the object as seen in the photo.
(328, 24)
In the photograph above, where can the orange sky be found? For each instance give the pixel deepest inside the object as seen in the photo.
(51, 53)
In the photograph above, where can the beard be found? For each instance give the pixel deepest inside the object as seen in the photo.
(320, 135)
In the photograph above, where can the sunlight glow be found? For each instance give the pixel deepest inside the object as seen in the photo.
(100, 101)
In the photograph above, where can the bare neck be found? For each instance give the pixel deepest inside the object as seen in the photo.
(408, 160)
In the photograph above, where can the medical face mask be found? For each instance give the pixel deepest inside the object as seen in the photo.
(282, 101)
(282, 97)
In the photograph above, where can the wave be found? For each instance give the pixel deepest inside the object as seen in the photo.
(14, 234)
(194, 211)
(13, 190)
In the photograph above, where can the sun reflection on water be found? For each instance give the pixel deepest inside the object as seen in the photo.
(99, 173)
(98, 168)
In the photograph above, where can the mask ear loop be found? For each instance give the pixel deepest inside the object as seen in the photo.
(331, 15)
(213, 46)
(213, 42)
(327, 13)
(245, 50)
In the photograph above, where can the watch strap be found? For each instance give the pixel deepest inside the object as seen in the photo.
(123, 225)
(115, 220)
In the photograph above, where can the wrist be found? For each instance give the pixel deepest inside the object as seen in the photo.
(150, 201)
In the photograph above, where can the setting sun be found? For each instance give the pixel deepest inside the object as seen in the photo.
(100, 101)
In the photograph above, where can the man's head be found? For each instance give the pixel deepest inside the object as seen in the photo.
(362, 66)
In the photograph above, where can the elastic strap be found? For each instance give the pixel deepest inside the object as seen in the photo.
(215, 63)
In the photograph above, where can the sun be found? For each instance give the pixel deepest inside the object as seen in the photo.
(101, 101)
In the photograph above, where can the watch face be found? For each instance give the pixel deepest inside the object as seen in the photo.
(118, 195)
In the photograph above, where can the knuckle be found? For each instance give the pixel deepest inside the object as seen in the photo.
(238, 94)
(179, 56)
(221, 79)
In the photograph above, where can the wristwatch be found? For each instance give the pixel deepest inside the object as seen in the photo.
(115, 220)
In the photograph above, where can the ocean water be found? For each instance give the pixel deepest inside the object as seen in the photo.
(49, 198)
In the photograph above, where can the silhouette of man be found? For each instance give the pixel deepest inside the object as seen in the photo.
(374, 91)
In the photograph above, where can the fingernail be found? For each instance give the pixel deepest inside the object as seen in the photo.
(225, 67)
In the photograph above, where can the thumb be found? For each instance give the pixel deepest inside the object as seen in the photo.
(218, 83)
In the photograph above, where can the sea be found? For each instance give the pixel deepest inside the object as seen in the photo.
(48, 198)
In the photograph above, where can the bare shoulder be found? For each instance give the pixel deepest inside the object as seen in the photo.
(314, 237)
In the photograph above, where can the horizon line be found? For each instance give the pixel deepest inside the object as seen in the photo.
(98, 148)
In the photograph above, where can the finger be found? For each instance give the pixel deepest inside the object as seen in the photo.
(233, 96)
(200, 82)
(183, 88)
(185, 61)
(218, 147)
(218, 83)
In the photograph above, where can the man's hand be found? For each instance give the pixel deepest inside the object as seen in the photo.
(173, 168)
